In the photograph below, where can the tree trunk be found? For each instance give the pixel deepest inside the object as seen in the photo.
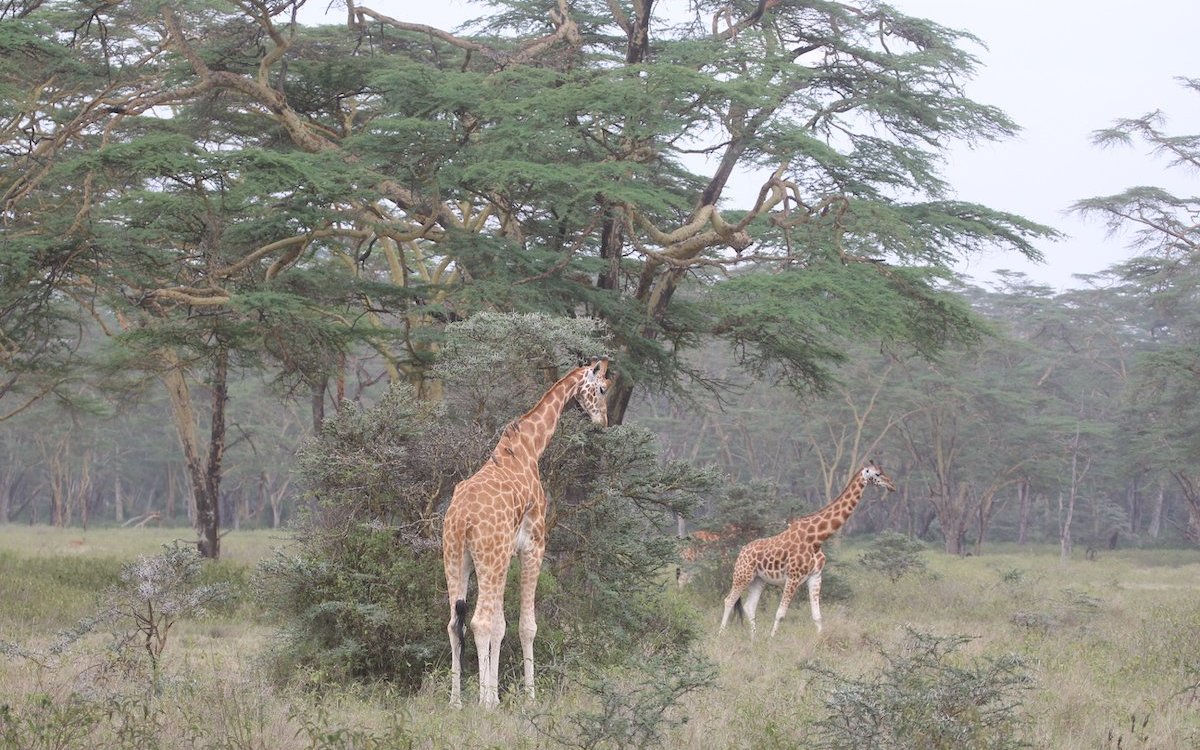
(1024, 506)
(1191, 497)
(318, 405)
(84, 491)
(209, 515)
(1156, 513)
(118, 501)
(1077, 475)
(204, 474)
(953, 516)
(1134, 505)
(6, 486)
(618, 400)
(1064, 527)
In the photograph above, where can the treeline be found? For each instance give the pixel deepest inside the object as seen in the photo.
(1075, 419)
(1057, 427)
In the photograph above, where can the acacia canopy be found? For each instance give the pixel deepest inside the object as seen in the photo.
(215, 174)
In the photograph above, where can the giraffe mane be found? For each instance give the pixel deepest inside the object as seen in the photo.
(509, 433)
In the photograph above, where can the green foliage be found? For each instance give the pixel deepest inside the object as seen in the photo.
(158, 591)
(391, 462)
(633, 706)
(40, 722)
(581, 159)
(611, 545)
(925, 695)
(359, 603)
(362, 595)
(117, 684)
(321, 731)
(894, 555)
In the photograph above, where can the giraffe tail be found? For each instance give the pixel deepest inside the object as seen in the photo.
(460, 621)
(737, 607)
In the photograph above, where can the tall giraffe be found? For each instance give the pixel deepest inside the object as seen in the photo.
(794, 556)
(500, 511)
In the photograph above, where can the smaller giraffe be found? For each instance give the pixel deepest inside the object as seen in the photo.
(794, 556)
(704, 546)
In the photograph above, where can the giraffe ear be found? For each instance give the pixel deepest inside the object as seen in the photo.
(599, 366)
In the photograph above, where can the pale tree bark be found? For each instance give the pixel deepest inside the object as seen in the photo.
(844, 446)
(272, 492)
(1156, 513)
(1191, 497)
(986, 510)
(1078, 472)
(1064, 528)
(954, 516)
(1024, 507)
(118, 500)
(203, 463)
(54, 452)
(83, 488)
(6, 488)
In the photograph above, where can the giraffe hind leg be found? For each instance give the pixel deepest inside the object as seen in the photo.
(733, 600)
(531, 564)
(458, 571)
(814, 598)
(459, 623)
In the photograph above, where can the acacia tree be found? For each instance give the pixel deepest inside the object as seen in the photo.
(1165, 279)
(224, 187)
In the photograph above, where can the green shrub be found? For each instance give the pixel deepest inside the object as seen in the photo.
(367, 608)
(631, 705)
(362, 595)
(894, 555)
(41, 721)
(924, 696)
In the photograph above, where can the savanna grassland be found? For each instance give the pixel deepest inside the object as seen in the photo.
(1100, 653)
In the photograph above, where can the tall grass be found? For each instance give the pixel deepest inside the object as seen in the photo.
(1111, 649)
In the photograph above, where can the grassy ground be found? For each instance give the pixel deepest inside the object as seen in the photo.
(1111, 647)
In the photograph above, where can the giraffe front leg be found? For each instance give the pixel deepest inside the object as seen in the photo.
(790, 584)
(531, 566)
(481, 629)
(753, 593)
(499, 626)
(814, 597)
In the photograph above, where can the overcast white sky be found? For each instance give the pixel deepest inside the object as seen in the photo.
(1060, 69)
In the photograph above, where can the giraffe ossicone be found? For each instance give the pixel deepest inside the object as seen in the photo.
(794, 557)
(499, 512)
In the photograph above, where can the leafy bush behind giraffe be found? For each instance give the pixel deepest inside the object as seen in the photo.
(362, 594)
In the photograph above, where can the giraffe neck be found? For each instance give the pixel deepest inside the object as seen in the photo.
(529, 434)
(840, 508)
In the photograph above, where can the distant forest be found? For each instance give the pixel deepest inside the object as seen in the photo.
(1058, 415)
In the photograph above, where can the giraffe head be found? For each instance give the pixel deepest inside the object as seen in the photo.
(872, 473)
(592, 393)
